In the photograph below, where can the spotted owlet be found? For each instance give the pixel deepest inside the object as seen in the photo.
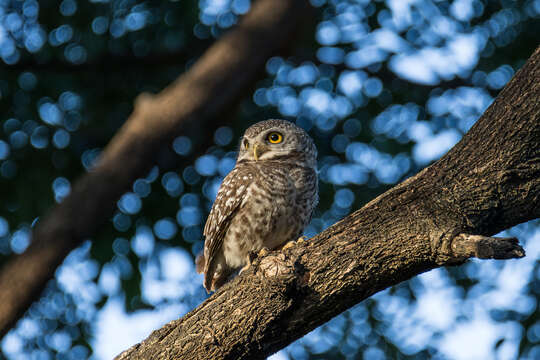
(264, 202)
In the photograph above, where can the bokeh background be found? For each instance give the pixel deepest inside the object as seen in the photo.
(384, 87)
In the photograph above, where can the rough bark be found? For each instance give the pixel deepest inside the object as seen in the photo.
(196, 98)
(445, 214)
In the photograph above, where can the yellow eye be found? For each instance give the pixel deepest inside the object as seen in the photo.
(274, 138)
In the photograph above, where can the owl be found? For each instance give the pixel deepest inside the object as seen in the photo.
(264, 202)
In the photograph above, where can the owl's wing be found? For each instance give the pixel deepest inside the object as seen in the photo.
(230, 197)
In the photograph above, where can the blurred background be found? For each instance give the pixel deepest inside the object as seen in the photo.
(384, 88)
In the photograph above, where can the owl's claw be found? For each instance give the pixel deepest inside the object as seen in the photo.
(288, 245)
(244, 268)
(292, 243)
(263, 252)
(252, 256)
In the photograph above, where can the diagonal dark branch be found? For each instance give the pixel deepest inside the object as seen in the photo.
(488, 182)
(195, 99)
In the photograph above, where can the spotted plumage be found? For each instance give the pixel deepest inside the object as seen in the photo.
(264, 202)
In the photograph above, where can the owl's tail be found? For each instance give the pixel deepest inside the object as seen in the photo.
(207, 269)
(200, 262)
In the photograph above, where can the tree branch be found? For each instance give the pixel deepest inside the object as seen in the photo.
(488, 182)
(195, 99)
(466, 246)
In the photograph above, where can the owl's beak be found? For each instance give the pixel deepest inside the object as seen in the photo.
(258, 150)
(255, 155)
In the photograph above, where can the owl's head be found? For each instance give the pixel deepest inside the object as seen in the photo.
(277, 140)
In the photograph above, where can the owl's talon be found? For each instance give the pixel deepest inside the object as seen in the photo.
(288, 245)
(263, 252)
(250, 257)
(292, 243)
(244, 268)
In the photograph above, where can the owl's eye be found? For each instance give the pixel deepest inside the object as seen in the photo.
(274, 138)
(246, 144)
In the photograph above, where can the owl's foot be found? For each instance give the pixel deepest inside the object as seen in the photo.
(252, 256)
(244, 268)
(292, 243)
(263, 252)
(249, 260)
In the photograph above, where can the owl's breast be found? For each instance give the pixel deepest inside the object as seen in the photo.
(273, 203)
(269, 217)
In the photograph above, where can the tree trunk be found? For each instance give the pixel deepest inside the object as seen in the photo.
(488, 182)
(200, 95)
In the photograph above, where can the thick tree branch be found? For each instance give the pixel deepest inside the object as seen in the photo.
(488, 182)
(195, 99)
